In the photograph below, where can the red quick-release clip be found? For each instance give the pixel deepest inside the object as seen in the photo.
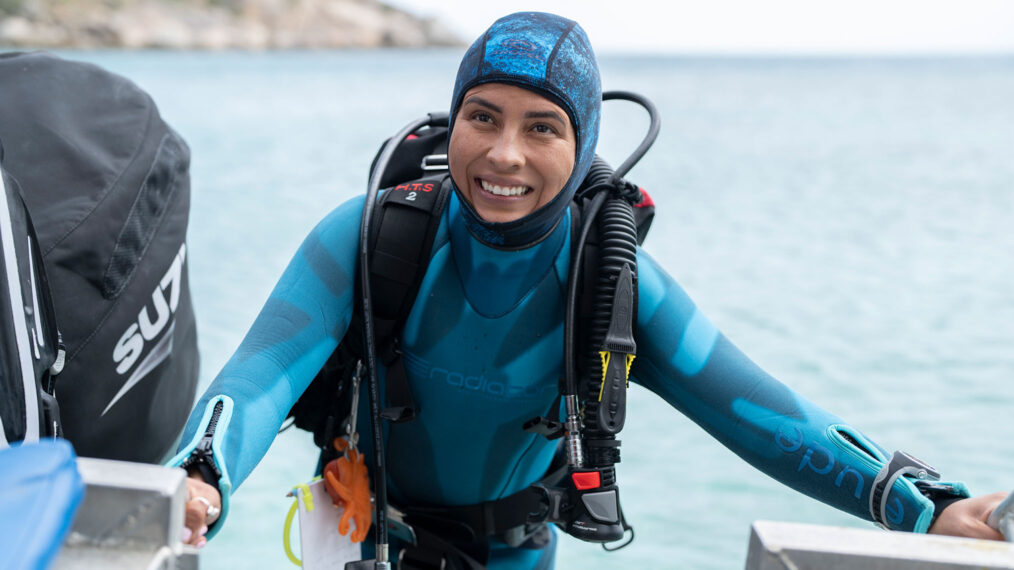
(646, 201)
(586, 480)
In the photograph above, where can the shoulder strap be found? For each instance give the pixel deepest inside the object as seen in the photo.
(406, 221)
(405, 224)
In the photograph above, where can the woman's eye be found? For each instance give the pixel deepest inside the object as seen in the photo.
(482, 117)
(543, 129)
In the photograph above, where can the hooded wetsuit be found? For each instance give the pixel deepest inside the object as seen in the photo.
(483, 352)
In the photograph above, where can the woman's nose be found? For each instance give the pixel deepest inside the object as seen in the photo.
(507, 152)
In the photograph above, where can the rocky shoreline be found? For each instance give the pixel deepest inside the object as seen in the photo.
(215, 24)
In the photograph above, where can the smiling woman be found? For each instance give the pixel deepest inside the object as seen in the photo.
(511, 151)
(549, 65)
(491, 302)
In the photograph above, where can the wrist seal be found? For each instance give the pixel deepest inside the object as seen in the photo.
(900, 465)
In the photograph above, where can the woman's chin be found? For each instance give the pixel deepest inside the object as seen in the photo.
(500, 217)
(503, 212)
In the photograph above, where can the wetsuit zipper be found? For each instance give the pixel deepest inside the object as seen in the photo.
(202, 457)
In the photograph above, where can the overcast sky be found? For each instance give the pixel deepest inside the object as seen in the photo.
(797, 26)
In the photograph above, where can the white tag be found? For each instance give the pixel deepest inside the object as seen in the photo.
(322, 548)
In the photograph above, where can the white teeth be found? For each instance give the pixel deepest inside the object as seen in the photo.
(504, 191)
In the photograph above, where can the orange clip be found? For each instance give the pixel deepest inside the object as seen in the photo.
(348, 483)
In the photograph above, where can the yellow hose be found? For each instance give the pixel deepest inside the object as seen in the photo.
(286, 532)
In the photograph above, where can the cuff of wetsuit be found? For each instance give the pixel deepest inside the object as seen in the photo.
(928, 500)
(911, 503)
(213, 426)
(943, 495)
(940, 504)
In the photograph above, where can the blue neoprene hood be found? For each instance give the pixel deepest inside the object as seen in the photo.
(551, 56)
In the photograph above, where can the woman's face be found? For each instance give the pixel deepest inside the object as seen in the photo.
(511, 151)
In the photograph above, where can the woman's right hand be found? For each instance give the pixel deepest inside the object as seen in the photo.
(204, 506)
(967, 518)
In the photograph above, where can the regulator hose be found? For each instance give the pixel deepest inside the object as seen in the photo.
(605, 259)
(617, 245)
(382, 561)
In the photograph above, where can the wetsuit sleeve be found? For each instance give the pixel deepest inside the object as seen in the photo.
(684, 359)
(297, 329)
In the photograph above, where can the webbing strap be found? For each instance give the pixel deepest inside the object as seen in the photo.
(492, 518)
(397, 266)
(433, 552)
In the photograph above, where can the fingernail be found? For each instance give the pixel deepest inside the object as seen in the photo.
(187, 533)
(202, 543)
(204, 530)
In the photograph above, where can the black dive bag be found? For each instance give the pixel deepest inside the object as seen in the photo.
(29, 341)
(106, 182)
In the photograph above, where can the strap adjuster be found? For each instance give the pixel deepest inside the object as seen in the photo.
(900, 465)
(433, 162)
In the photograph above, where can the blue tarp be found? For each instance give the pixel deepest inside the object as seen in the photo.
(40, 490)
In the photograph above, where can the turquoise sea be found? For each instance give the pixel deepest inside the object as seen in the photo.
(849, 223)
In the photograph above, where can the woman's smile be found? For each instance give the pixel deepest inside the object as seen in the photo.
(511, 151)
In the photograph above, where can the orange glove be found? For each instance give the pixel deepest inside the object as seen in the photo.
(348, 484)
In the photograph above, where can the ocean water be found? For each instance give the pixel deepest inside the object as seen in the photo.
(847, 222)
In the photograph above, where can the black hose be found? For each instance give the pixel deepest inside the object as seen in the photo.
(379, 467)
(570, 377)
(649, 138)
(617, 243)
(610, 201)
(617, 247)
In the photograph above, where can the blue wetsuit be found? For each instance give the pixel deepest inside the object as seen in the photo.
(483, 350)
(483, 344)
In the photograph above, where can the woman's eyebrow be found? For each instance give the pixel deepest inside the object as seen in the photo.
(545, 115)
(477, 100)
(483, 102)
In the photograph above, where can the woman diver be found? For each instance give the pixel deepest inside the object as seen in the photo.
(524, 123)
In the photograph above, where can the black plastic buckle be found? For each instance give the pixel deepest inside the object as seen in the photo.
(551, 429)
(398, 414)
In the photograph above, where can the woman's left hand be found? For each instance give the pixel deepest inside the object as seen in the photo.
(967, 518)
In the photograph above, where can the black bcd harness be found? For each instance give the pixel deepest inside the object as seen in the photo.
(403, 229)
